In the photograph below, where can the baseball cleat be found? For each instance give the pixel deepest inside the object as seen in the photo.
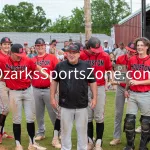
(56, 143)
(115, 142)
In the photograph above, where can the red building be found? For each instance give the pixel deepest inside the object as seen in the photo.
(131, 27)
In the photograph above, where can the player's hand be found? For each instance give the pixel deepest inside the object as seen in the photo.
(134, 82)
(54, 103)
(114, 82)
(126, 94)
(93, 103)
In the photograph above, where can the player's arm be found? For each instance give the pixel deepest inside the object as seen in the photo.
(143, 82)
(93, 87)
(43, 72)
(53, 87)
(53, 90)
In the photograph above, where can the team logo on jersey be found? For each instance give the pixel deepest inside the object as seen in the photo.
(96, 62)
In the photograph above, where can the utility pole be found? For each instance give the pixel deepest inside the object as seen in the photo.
(143, 17)
(87, 15)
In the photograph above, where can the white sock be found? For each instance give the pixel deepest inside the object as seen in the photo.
(30, 141)
(17, 143)
(90, 140)
(99, 141)
(56, 133)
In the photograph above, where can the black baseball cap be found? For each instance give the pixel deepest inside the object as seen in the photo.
(73, 47)
(79, 45)
(131, 47)
(18, 50)
(40, 41)
(5, 40)
(94, 44)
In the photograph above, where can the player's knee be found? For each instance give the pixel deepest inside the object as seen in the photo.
(99, 119)
(145, 121)
(129, 123)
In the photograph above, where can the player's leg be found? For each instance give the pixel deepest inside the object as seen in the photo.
(144, 106)
(99, 116)
(145, 134)
(90, 130)
(81, 119)
(16, 108)
(51, 111)
(129, 123)
(119, 107)
(57, 130)
(40, 110)
(29, 107)
(4, 108)
(67, 119)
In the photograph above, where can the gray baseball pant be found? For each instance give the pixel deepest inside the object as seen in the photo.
(139, 101)
(4, 99)
(119, 107)
(22, 99)
(81, 120)
(42, 99)
(98, 112)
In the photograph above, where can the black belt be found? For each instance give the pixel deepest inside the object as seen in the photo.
(42, 87)
(20, 89)
(140, 91)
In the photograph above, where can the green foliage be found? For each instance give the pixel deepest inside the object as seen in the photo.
(22, 18)
(104, 16)
(72, 24)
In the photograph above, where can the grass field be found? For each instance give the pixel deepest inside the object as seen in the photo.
(108, 133)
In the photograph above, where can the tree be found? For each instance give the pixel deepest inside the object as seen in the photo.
(71, 24)
(22, 18)
(77, 21)
(61, 25)
(106, 14)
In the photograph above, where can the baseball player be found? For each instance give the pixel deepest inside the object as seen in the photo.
(100, 61)
(41, 87)
(139, 95)
(73, 97)
(120, 98)
(16, 71)
(4, 101)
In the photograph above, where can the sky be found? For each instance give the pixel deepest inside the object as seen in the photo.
(54, 8)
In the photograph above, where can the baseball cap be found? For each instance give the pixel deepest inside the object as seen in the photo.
(73, 47)
(94, 44)
(40, 41)
(105, 41)
(5, 40)
(131, 47)
(79, 45)
(18, 50)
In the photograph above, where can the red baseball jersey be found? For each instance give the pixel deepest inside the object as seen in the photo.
(48, 61)
(100, 62)
(16, 73)
(3, 56)
(139, 68)
(122, 60)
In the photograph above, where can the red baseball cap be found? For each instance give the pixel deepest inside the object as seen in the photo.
(131, 47)
(18, 50)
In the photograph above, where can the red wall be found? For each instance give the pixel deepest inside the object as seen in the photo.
(128, 31)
